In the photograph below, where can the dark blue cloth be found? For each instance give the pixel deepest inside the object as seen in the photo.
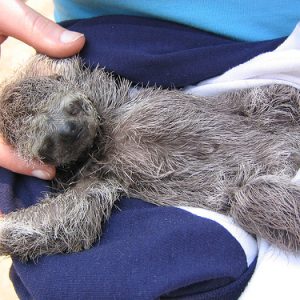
(156, 52)
(146, 251)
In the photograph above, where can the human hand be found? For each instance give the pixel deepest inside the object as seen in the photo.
(10, 160)
(20, 21)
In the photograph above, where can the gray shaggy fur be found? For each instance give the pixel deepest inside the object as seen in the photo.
(235, 154)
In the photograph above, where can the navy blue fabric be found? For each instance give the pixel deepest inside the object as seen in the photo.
(17, 191)
(151, 51)
(146, 251)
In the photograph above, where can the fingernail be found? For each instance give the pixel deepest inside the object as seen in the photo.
(41, 174)
(70, 36)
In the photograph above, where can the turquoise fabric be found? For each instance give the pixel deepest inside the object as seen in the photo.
(238, 19)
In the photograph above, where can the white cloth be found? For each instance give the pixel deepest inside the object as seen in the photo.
(277, 272)
(276, 276)
(279, 66)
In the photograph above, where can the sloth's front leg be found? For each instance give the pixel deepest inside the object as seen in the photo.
(69, 222)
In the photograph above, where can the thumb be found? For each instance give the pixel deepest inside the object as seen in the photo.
(22, 22)
(10, 160)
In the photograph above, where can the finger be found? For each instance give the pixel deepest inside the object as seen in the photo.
(10, 160)
(22, 22)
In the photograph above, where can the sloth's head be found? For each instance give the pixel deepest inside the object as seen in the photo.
(47, 118)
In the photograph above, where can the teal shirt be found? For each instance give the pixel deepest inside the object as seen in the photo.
(240, 19)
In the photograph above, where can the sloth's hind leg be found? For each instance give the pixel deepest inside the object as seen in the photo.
(269, 207)
(272, 104)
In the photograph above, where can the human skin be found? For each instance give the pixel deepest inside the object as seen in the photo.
(23, 23)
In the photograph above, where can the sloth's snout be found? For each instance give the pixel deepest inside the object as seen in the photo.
(70, 131)
(67, 142)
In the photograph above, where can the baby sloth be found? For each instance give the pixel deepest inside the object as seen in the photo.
(236, 154)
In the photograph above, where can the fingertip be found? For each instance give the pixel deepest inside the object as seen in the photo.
(70, 44)
(34, 29)
(67, 44)
(68, 36)
(10, 160)
(45, 174)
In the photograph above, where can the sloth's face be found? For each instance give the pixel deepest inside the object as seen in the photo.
(48, 119)
(65, 132)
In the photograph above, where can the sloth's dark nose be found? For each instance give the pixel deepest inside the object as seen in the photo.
(70, 131)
